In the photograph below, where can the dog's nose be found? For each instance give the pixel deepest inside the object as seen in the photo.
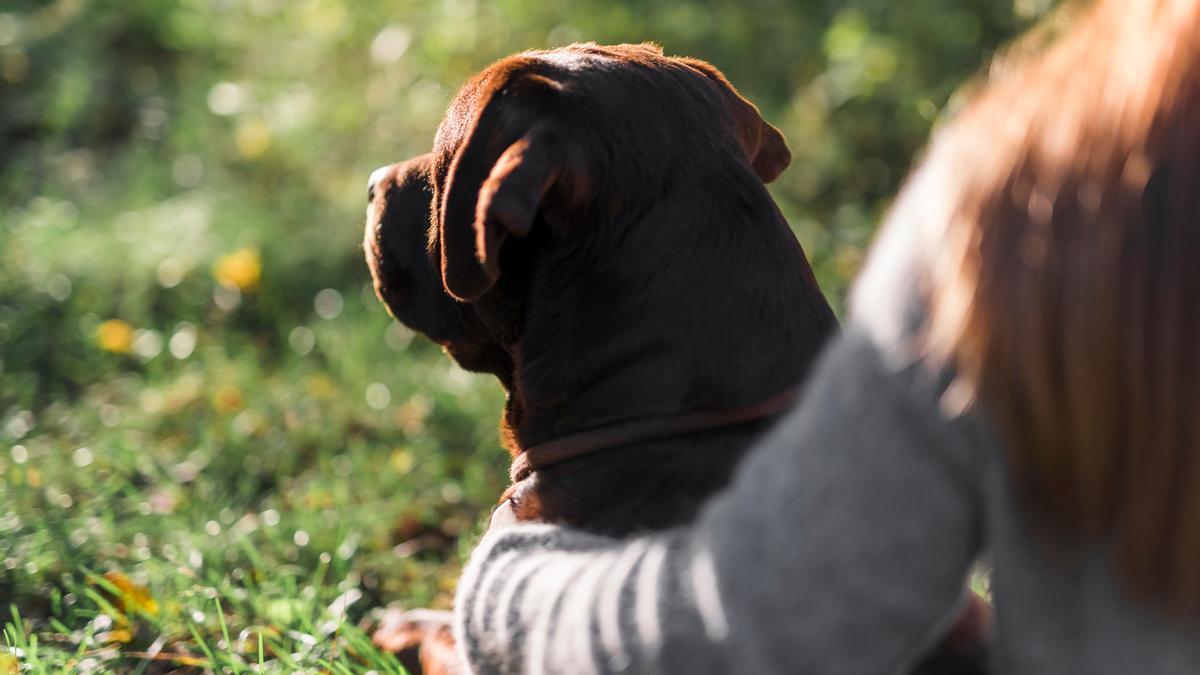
(376, 176)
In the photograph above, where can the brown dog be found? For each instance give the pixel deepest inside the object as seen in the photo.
(602, 241)
(593, 228)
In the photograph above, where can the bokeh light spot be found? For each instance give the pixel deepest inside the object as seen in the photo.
(328, 303)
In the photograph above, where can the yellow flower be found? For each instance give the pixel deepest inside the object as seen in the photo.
(9, 665)
(241, 269)
(115, 336)
(402, 460)
(253, 138)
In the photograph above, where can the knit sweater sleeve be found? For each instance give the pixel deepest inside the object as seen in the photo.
(841, 547)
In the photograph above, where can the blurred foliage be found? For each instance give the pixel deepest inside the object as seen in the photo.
(199, 395)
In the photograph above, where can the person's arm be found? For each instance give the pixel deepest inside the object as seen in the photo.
(841, 547)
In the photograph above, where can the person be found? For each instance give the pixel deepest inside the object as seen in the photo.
(1018, 382)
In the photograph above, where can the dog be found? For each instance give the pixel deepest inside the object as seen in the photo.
(593, 228)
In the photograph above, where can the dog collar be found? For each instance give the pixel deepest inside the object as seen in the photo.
(559, 450)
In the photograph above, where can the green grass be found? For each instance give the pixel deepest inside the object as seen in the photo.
(250, 492)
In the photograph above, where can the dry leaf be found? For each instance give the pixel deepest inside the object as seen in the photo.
(133, 596)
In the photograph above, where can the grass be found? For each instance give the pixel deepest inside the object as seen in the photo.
(234, 495)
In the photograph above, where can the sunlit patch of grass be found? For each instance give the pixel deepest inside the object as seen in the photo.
(241, 631)
(241, 505)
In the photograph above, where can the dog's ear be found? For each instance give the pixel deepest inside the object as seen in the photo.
(763, 144)
(511, 158)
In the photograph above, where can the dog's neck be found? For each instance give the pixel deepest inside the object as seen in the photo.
(646, 430)
(673, 336)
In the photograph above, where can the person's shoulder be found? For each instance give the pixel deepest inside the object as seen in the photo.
(890, 296)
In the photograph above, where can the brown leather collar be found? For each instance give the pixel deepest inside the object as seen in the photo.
(559, 450)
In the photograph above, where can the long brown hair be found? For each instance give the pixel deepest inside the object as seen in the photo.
(1065, 287)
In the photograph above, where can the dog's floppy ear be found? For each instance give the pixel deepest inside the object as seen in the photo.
(763, 144)
(511, 158)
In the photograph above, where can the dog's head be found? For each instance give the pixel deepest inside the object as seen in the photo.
(542, 152)
(404, 266)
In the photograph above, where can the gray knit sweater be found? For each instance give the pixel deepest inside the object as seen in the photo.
(842, 547)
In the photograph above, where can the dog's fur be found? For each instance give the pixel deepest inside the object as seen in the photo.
(593, 228)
